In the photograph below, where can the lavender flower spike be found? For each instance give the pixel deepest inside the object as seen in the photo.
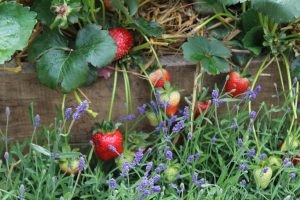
(81, 164)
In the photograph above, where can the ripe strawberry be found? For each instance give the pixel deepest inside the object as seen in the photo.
(201, 107)
(263, 179)
(123, 39)
(172, 172)
(68, 166)
(235, 82)
(152, 118)
(104, 142)
(159, 77)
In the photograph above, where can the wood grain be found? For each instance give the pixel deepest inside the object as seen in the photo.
(18, 90)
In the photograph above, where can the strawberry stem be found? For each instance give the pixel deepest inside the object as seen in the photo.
(113, 94)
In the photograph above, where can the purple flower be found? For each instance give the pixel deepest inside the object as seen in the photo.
(142, 109)
(215, 94)
(178, 127)
(243, 182)
(167, 139)
(169, 155)
(240, 142)
(130, 117)
(21, 192)
(186, 113)
(234, 124)
(251, 153)
(68, 113)
(138, 156)
(112, 183)
(160, 168)
(7, 111)
(292, 175)
(154, 107)
(197, 155)
(190, 135)
(125, 169)
(262, 156)
(265, 170)
(155, 189)
(190, 158)
(160, 126)
(214, 139)
(156, 178)
(286, 162)
(6, 156)
(252, 115)
(80, 109)
(54, 155)
(148, 168)
(81, 164)
(172, 185)
(112, 148)
(149, 150)
(172, 120)
(36, 121)
(195, 178)
(250, 130)
(243, 167)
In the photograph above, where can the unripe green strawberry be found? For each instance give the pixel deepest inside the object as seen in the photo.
(290, 143)
(69, 166)
(171, 173)
(275, 162)
(262, 178)
(152, 118)
(127, 156)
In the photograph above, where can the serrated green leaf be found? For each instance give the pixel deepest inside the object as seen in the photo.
(96, 45)
(253, 40)
(278, 10)
(133, 6)
(210, 53)
(69, 69)
(48, 39)
(295, 68)
(16, 24)
(232, 2)
(205, 7)
(43, 10)
(249, 19)
(152, 29)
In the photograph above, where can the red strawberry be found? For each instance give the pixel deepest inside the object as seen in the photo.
(201, 107)
(159, 77)
(104, 142)
(123, 39)
(107, 5)
(235, 82)
(69, 166)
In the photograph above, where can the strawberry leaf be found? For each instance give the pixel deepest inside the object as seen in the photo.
(211, 54)
(278, 10)
(43, 10)
(295, 68)
(96, 45)
(152, 29)
(16, 24)
(69, 69)
(48, 39)
(231, 2)
(253, 40)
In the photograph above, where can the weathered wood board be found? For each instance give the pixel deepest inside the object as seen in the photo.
(18, 90)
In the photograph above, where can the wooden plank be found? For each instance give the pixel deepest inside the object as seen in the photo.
(18, 90)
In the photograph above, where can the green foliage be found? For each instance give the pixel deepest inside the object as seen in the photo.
(278, 10)
(211, 54)
(149, 28)
(253, 40)
(58, 64)
(295, 68)
(16, 25)
(231, 2)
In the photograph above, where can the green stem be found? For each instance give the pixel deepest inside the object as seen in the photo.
(92, 9)
(153, 50)
(128, 102)
(113, 94)
(103, 13)
(290, 84)
(74, 188)
(63, 107)
(88, 110)
(244, 7)
(140, 47)
(214, 17)
(280, 76)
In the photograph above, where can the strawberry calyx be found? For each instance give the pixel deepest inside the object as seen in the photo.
(106, 127)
